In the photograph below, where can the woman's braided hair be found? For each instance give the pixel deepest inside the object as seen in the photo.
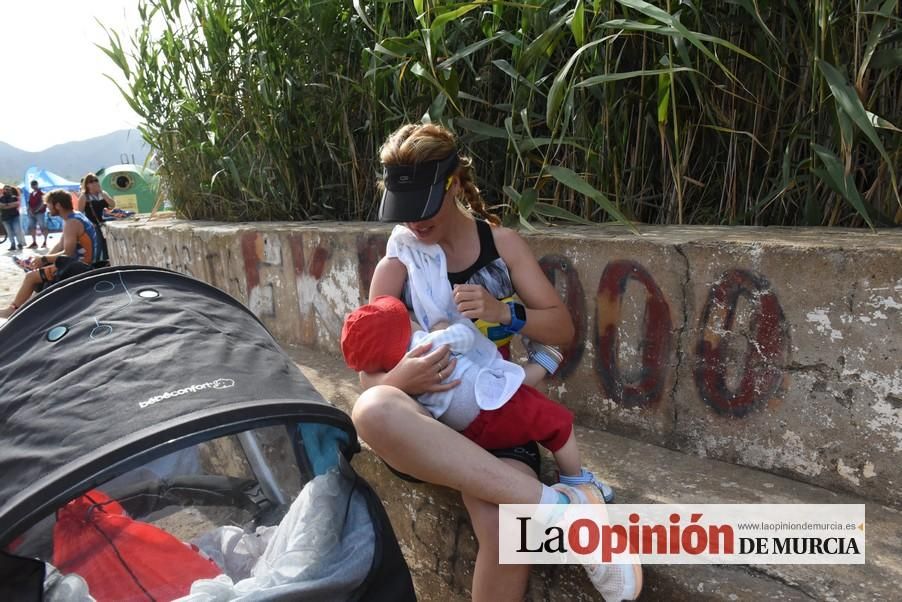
(419, 142)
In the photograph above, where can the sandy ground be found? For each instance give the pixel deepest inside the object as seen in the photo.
(10, 273)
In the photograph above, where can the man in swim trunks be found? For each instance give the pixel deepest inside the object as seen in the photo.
(73, 254)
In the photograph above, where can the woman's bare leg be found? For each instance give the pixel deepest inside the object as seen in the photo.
(411, 441)
(495, 582)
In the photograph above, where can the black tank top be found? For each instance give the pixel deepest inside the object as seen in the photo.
(94, 206)
(489, 271)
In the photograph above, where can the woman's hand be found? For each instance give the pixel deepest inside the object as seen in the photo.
(476, 303)
(422, 371)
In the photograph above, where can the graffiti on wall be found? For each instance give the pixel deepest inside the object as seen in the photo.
(563, 275)
(655, 344)
(732, 379)
(308, 275)
(259, 297)
(268, 278)
(766, 350)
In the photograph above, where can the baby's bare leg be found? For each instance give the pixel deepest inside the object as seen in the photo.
(567, 458)
(573, 474)
(534, 374)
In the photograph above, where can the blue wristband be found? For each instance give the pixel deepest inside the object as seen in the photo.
(518, 317)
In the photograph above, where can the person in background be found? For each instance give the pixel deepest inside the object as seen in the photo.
(72, 255)
(9, 213)
(37, 215)
(92, 201)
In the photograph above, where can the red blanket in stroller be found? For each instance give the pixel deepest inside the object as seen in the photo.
(121, 558)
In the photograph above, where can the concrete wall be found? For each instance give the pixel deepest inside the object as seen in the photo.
(772, 348)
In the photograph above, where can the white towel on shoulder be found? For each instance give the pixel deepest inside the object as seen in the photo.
(432, 299)
(427, 275)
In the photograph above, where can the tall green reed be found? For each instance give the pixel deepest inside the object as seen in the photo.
(723, 112)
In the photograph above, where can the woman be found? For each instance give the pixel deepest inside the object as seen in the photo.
(92, 201)
(430, 187)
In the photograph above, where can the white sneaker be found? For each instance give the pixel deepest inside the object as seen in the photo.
(616, 582)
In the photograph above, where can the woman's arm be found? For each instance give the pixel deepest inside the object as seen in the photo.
(80, 204)
(547, 319)
(418, 371)
(388, 278)
(109, 201)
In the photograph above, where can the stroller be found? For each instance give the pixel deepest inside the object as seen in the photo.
(157, 444)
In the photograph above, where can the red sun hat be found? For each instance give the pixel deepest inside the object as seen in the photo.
(375, 336)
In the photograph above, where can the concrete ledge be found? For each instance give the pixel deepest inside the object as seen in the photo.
(440, 547)
(769, 348)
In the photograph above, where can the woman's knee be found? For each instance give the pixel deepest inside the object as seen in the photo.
(378, 411)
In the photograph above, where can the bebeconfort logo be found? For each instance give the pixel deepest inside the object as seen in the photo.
(219, 383)
(683, 534)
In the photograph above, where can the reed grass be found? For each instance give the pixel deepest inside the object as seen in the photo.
(674, 112)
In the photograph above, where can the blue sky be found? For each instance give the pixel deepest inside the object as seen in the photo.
(58, 72)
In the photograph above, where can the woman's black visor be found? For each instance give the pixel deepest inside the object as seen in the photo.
(415, 192)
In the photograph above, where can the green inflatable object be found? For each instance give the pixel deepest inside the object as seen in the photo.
(133, 187)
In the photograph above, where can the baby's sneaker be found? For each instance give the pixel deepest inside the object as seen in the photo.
(544, 355)
(586, 478)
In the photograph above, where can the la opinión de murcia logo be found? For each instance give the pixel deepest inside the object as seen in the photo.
(219, 383)
(586, 536)
(683, 533)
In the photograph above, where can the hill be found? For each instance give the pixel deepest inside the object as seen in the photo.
(72, 160)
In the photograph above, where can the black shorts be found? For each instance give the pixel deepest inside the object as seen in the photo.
(528, 454)
(63, 267)
(68, 267)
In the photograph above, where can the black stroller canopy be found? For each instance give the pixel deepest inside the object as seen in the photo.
(117, 365)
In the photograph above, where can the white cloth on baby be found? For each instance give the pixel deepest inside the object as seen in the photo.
(487, 380)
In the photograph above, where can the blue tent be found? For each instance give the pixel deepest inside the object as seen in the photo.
(47, 181)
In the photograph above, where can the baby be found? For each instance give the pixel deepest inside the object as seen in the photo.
(491, 406)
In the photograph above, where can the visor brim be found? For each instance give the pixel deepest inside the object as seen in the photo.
(411, 205)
